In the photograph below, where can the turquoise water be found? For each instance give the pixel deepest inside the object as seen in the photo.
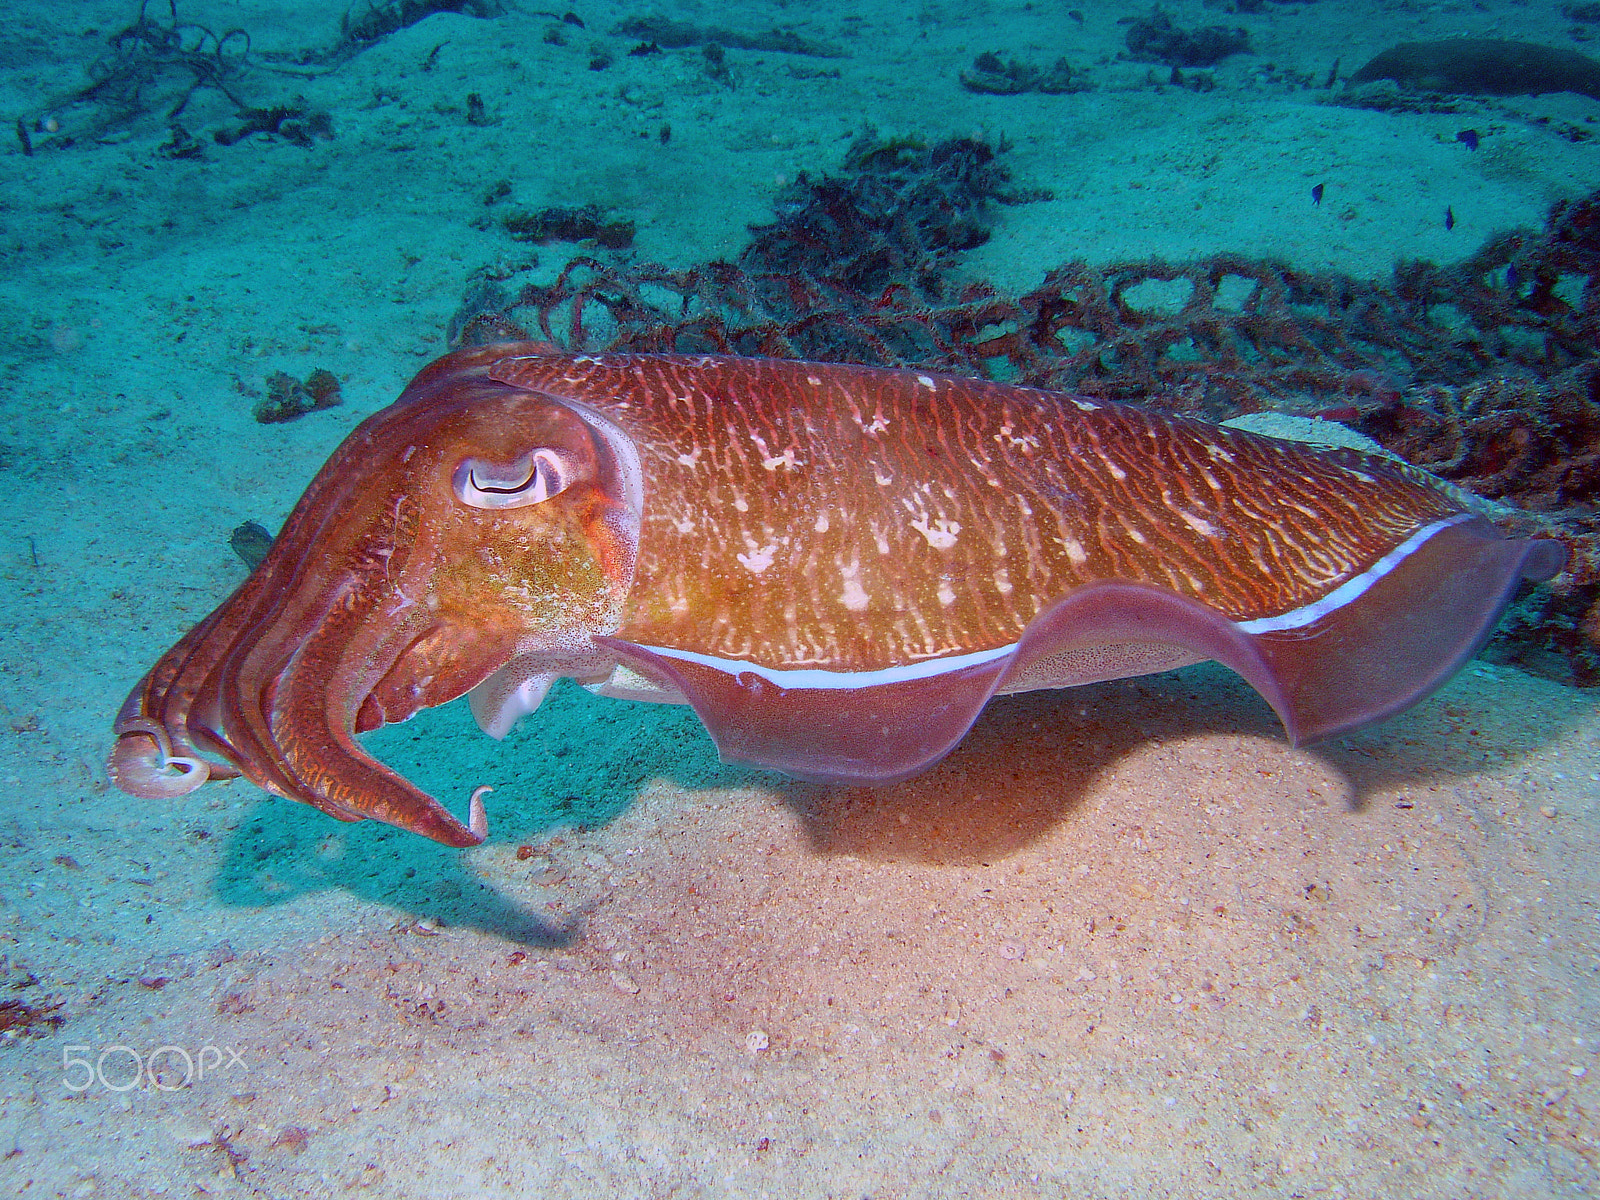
(1123, 941)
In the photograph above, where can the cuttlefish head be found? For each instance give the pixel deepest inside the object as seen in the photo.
(469, 522)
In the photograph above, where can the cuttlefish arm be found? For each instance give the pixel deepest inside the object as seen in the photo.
(837, 567)
(444, 530)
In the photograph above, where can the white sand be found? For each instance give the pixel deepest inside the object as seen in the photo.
(1123, 942)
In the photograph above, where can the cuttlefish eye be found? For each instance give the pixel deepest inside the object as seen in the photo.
(535, 477)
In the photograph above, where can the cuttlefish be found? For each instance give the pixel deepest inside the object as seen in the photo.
(837, 567)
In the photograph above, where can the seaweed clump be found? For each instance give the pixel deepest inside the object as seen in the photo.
(1156, 39)
(895, 215)
(21, 1019)
(155, 66)
(995, 76)
(557, 224)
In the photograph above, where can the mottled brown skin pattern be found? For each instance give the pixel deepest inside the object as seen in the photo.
(902, 516)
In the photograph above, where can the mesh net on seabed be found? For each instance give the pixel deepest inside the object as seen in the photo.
(1486, 372)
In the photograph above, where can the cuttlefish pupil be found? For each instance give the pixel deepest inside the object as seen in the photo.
(836, 566)
(532, 479)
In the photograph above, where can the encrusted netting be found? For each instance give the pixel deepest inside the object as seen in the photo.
(1486, 372)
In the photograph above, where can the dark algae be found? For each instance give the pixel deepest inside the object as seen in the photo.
(153, 68)
(558, 224)
(250, 542)
(1156, 39)
(1010, 77)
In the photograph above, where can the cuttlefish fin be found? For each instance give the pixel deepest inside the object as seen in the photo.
(873, 735)
(1328, 669)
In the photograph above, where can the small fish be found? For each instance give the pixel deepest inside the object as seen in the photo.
(1316, 194)
(1468, 138)
(1449, 217)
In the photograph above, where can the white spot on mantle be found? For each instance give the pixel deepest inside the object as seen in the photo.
(786, 459)
(854, 597)
(758, 560)
(1025, 442)
(941, 534)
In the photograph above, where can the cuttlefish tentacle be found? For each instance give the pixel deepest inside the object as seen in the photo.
(142, 762)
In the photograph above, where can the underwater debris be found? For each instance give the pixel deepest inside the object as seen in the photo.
(678, 35)
(569, 225)
(295, 123)
(477, 319)
(717, 68)
(895, 215)
(1156, 39)
(990, 74)
(180, 143)
(153, 67)
(380, 20)
(288, 399)
(1484, 67)
(18, 1018)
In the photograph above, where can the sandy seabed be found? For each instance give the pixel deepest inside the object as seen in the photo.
(1123, 942)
